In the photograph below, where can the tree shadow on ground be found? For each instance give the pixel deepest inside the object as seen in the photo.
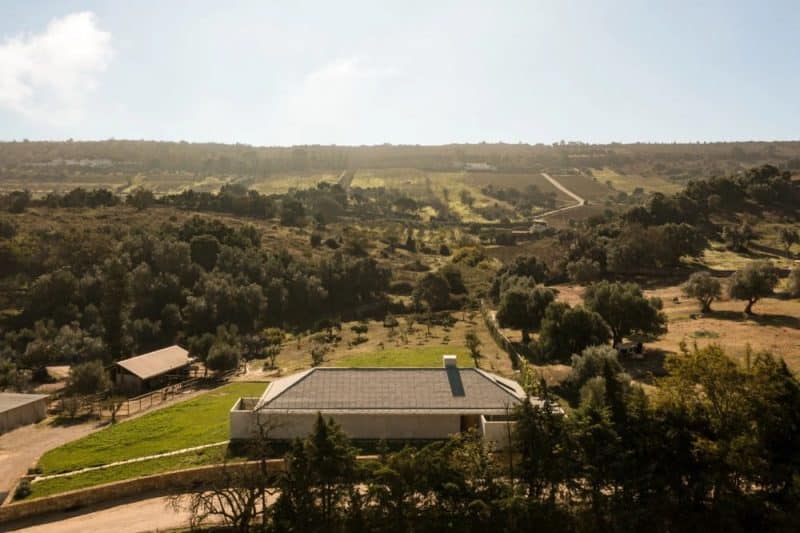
(647, 369)
(764, 249)
(778, 321)
(68, 421)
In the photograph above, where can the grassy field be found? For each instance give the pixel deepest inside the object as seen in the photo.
(419, 356)
(629, 182)
(593, 190)
(202, 420)
(207, 456)
(518, 181)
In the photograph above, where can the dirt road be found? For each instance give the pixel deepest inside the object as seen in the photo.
(121, 516)
(22, 447)
(557, 184)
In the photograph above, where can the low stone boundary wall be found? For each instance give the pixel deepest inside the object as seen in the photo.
(165, 483)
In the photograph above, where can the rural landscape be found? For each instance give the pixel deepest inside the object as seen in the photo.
(622, 284)
(399, 267)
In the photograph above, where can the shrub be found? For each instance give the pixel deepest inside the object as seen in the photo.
(590, 363)
(23, 490)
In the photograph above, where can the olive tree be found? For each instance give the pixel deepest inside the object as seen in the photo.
(753, 282)
(524, 309)
(704, 288)
(625, 309)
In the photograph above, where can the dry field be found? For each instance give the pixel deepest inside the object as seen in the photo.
(629, 182)
(592, 190)
(517, 181)
(775, 327)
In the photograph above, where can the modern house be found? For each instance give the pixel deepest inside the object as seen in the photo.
(384, 403)
(21, 409)
(152, 370)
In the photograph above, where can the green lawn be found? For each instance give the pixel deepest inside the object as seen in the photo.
(422, 356)
(206, 456)
(202, 420)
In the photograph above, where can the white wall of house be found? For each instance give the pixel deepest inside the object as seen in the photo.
(356, 426)
(496, 431)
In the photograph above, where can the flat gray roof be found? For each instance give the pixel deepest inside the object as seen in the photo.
(12, 400)
(397, 390)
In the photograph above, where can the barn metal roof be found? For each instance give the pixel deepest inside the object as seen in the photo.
(407, 390)
(156, 363)
(12, 400)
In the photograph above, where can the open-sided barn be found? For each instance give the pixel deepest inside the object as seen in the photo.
(152, 370)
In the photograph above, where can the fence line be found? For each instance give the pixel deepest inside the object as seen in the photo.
(501, 340)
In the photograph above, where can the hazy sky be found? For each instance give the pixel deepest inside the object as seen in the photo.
(293, 72)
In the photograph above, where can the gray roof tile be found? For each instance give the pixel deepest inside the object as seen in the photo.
(391, 389)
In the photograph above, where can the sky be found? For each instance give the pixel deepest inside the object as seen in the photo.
(274, 72)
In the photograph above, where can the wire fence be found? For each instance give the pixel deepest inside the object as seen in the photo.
(501, 340)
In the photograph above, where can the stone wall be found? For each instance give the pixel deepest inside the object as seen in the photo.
(158, 483)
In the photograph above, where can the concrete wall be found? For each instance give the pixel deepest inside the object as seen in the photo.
(156, 484)
(356, 426)
(242, 418)
(22, 415)
(496, 431)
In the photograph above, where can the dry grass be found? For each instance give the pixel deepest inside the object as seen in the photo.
(629, 182)
(585, 187)
(296, 353)
(775, 327)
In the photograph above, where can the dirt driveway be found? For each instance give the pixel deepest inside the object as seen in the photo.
(132, 515)
(22, 447)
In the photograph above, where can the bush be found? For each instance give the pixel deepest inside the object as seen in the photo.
(590, 363)
(23, 490)
(222, 357)
(401, 287)
(88, 378)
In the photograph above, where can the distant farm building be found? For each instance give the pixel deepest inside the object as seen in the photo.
(384, 403)
(479, 167)
(21, 409)
(152, 370)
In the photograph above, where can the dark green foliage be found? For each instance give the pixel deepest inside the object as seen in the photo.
(568, 330)
(593, 362)
(704, 288)
(625, 309)
(753, 282)
(292, 212)
(433, 290)
(223, 356)
(88, 378)
(141, 198)
(205, 249)
(112, 307)
(524, 309)
(525, 267)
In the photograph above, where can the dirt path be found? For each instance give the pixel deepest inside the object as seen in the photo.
(121, 516)
(22, 447)
(557, 184)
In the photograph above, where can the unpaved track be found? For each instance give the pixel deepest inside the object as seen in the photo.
(121, 516)
(557, 184)
(22, 447)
